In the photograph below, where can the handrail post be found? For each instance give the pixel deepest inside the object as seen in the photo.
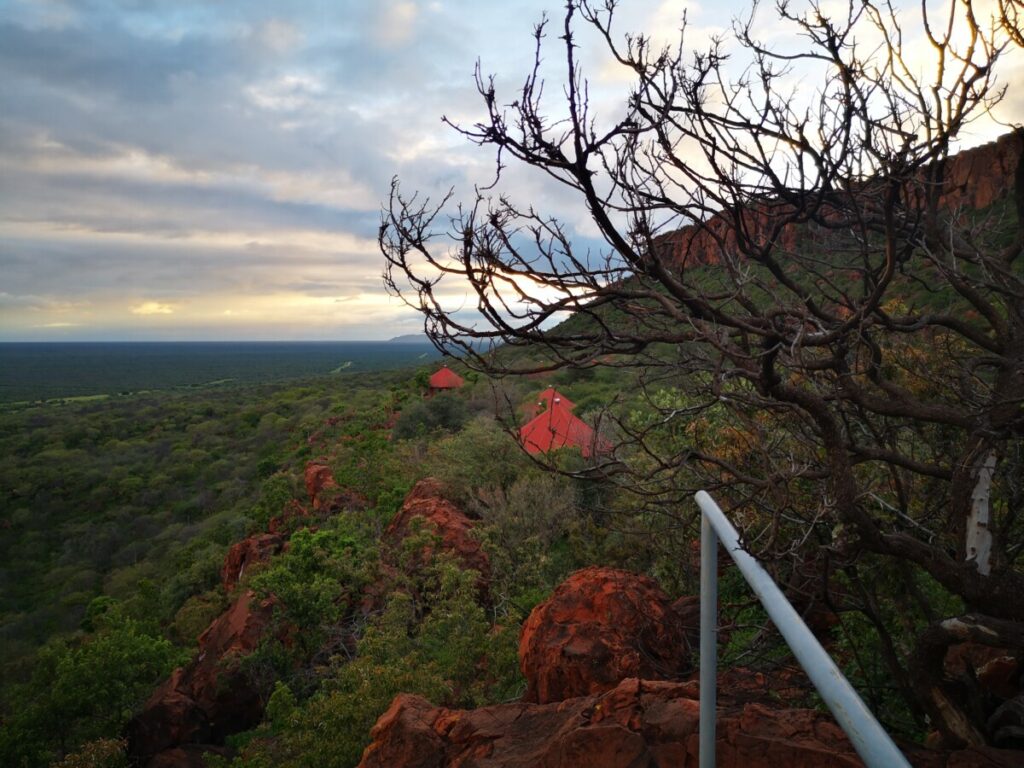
(875, 747)
(708, 641)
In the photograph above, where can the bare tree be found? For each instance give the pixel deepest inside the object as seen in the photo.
(848, 327)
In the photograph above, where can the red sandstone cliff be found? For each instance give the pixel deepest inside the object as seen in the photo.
(213, 696)
(973, 179)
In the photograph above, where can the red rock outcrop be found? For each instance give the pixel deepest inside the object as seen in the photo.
(427, 501)
(320, 483)
(210, 697)
(783, 686)
(325, 495)
(258, 548)
(290, 518)
(600, 627)
(976, 178)
(638, 724)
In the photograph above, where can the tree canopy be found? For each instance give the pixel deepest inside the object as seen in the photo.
(831, 328)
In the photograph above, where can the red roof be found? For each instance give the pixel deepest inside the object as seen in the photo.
(557, 428)
(446, 378)
(551, 396)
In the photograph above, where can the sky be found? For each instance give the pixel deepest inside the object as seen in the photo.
(190, 170)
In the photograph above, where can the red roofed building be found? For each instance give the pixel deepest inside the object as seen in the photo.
(550, 397)
(556, 428)
(445, 378)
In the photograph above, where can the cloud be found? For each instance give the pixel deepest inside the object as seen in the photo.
(286, 93)
(396, 22)
(153, 308)
(218, 155)
(280, 36)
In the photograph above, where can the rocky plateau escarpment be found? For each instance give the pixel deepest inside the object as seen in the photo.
(212, 696)
(606, 659)
(972, 180)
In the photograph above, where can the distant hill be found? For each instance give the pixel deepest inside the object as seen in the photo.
(410, 338)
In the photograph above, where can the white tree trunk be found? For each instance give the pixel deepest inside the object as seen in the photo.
(979, 537)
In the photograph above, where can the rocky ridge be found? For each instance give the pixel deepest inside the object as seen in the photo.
(601, 715)
(212, 697)
(606, 659)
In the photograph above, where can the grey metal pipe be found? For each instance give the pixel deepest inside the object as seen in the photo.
(708, 641)
(872, 743)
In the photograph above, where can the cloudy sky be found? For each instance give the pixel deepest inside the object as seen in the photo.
(190, 169)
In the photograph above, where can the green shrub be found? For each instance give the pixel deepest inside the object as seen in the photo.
(318, 579)
(444, 412)
(436, 644)
(85, 690)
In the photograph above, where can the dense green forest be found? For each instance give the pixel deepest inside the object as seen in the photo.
(117, 515)
(30, 372)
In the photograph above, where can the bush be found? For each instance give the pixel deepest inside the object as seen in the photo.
(481, 456)
(445, 413)
(524, 532)
(434, 645)
(317, 579)
(84, 691)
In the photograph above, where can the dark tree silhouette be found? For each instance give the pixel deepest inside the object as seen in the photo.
(798, 259)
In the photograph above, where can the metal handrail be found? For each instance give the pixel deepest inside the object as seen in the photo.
(872, 743)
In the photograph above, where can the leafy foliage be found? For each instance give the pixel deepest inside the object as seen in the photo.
(434, 644)
(84, 690)
(444, 412)
(318, 579)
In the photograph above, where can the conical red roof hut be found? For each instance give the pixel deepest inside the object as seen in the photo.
(445, 378)
(556, 428)
(550, 397)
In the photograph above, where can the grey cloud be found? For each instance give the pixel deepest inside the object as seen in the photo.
(167, 269)
(182, 82)
(170, 210)
(94, 62)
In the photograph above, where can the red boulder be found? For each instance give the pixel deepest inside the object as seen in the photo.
(258, 548)
(325, 495)
(320, 483)
(169, 718)
(600, 627)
